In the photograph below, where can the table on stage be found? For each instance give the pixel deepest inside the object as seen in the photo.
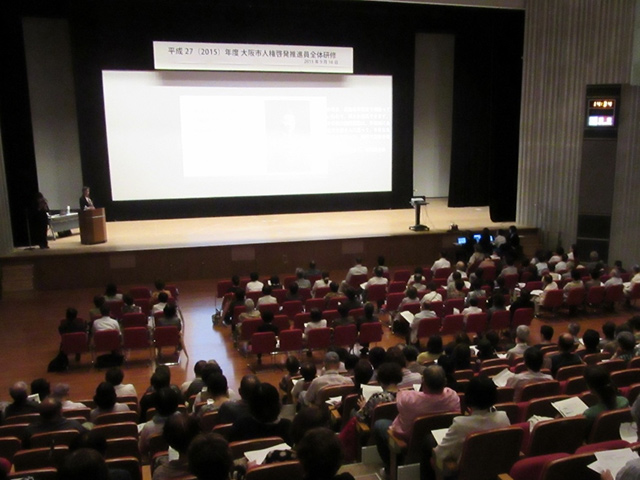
(63, 222)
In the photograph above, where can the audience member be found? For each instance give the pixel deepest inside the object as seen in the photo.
(442, 262)
(591, 339)
(193, 387)
(167, 401)
(105, 322)
(163, 300)
(210, 457)
(169, 318)
(312, 271)
(51, 420)
(106, 401)
(217, 392)
(162, 288)
(111, 293)
(357, 269)
(267, 298)
(129, 305)
(21, 404)
(254, 285)
(533, 359)
(235, 409)
(71, 322)
(179, 431)
(61, 393)
(85, 463)
(409, 378)
(546, 334)
(411, 354)
(308, 372)
(306, 419)
(292, 364)
(608, 343)
(323, 282)
(330, 377)
(320, 454)
(626, 345)
(599, 383)
(522, 342)
(433, 352)
(566, 356)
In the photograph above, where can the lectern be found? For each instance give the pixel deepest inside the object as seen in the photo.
(417, 203)
(93, 226)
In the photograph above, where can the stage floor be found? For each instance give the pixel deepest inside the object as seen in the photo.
(247, 230)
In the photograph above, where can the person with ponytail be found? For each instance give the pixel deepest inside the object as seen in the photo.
(599, 382)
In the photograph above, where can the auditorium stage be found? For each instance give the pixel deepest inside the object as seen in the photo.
(181, 249)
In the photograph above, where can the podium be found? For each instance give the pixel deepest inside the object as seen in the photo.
(93, 226)
(417, 203)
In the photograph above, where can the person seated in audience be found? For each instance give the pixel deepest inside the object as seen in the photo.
(433, 352)
(323, 282)
(162, 288)
(411, 298)
(115, 377)
(522, 342)
(86, 463)
(167, 401)
(71, 322)
(210, 457)
(344, 318)
(411, 354)
(509, 268)
(409, 378)
(238, 300)
(267, 298)
(315, 321)
(599, 383)
(309, 373)
(634, 325)
(163, 300)
(376, 357)
(274, 283)
(471, 309)
(433, 397)
(425, 312)
(320, 454)
(480, 397)
(442, 262)
(352, 300)
(461, 356)
(431, 294)
(250, 313)
(590, 339)
(254, 285)
(594, 281)
(264, 406)
(377, 279)
(267, 325)
(389, 377)
(369, 315)
(626, 345)
(456, 290)
(546, 335)
(51, 420)
(301, 280)
(105, 322)
(292, 365)
(106, 401)
(331, 376)
(129, 305)
(334, 291)
(476, 291)
(159, 380)
(61, 393)
(232, 410)
(567, 355)
(533, 359)
(497, 304)
(485, 351)
(111, 293)
(562, 265)
(576, 282)
(169, 318)
(608, 343)
(193, 387)
(95, 441)
(306, 419)
(21, 404)
(542, 265)
(357, 269)
(293, 295)
(40, 387)
(217, 393)
(98, 302)
(362, 371)
(312, 270)
(178, 431)
(235, 287)
(628, 288)
(547, 285)
(475, 259)
(460, 270)
(523, 301)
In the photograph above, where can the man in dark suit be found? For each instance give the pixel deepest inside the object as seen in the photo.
(567, 356)
(85, 201)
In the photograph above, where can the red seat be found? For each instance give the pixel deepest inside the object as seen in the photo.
(486, 454)
(356, 313)
(290, 340)
(321, 292)
(249, 327)
(144, 304)
(263, 343)
(319, 339)
(254, 296)
(291, 307)
(74, 343)
(300, 319)
(356, 280)
(570, 371)
(317, 303)
(438, 308)
(305, 293)
(136, 338)
(282, 322)
(401, 276)
(140, 292)
(626, 378)
(522, 316)
(411, 307)
(134, 320)
(595, 296)
(393, 301)
(376, 293)
(442, 273)
(288, 280)
(540, 390)
(428, 327)
(613, 294)
(607, 425)
(396, 287)
(500, 320)
(345, 336)
(562, 435)
(476, 323)
(553, 300)
(575, 297)
(166, 337)
(280, 295)
(452, 303)
(533, 285)
(115, 308)
(531, 468)
(370, 333)
(334, 302)
(223, 287)
(269, 307)
(106, 341)
(511, 281)
(452, 324)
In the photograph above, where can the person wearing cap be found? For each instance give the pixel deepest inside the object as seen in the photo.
(330, 377)
(61, 393)
(522, 339)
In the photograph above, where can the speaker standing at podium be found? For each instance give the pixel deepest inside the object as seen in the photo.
(85, 201)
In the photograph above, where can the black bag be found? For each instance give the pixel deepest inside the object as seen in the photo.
(59, 364)
(109, 360)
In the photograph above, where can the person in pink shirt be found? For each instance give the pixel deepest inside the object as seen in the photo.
(433, 397)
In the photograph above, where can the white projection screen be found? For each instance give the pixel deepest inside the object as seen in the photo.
(184, 134)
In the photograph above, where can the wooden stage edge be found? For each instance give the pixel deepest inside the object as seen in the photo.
(202, 248)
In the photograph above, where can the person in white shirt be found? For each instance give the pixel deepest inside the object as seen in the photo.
(267, 298)
(115, 376)
(635, 279)
(472, 308)
(522, 339)
(426, 312)
(60, 392)
(431, 294)
(254, 285)
(357, 269)
(442, 262)
(163, 298)
(316, 321)
(461, 268)
(377, 279)
(105, 322)
(323, 282)
(614, 279)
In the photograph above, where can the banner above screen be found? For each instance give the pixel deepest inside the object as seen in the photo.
(251, 57)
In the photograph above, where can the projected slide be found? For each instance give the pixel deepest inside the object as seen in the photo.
(217, 134)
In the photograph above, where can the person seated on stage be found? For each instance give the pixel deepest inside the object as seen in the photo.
(178, 432)
(169, 318)
(98, 302)
(71, 323)
(61, 393)
(210, 457)
(111, 293)
(431, 294)
(377, 279)
(115, 376)
(21, 404)
(106, 401)
(533, 358)
(323, 282)
(160, 287)
(85, 200)
(301, 280)
(334, 292)
(129, 305)
(105, 322)
(267, 298)
(442, 262)
(163, 300)
(274, 283)
(293, 295)
(357, 269)
(254, 284)
(51, 420)
(315, 321)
